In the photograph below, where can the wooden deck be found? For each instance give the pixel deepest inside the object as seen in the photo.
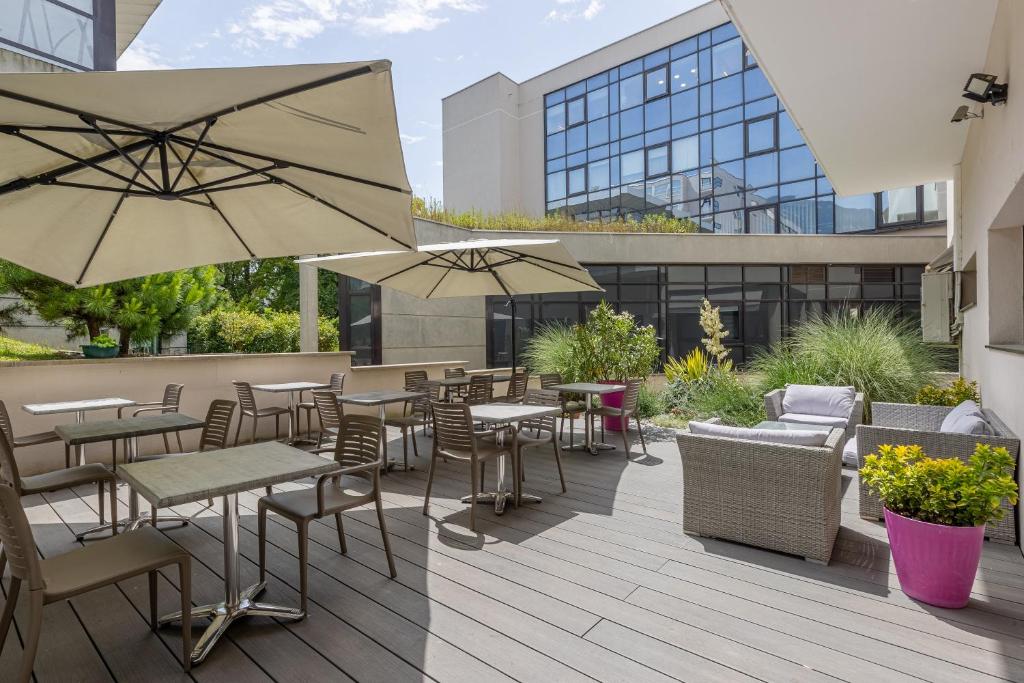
(599, 583)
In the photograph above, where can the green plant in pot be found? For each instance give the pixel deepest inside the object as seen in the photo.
(100, 346)
(935, 515)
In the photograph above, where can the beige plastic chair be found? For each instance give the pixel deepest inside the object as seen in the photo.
(100, 564)
(481, 390)
(545, 429)
(570, 409)
(452, 393)
(516, 387)
(247, 402)
(627, 411)
(170, 403)
(329, 412)
(337, 385)
(455, 439)
(418, 415)
(17, 442)
(358, 483)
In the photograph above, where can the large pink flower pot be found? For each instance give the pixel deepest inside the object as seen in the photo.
(935, 563)
(614, 400)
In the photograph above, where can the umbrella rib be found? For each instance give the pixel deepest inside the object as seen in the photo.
(127, 157)
(71, 110)
(526, 258)
(49, 176)
(192, 152)
(438, 283)
(406, 269)
(222, 181)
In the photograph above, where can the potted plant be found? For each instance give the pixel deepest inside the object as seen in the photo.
(935, 515)
(101, 346)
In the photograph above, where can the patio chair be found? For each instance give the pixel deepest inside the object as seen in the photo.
(481, 390)
(17, 442)
(170, 403)
(823, 406)
(356, 484)
(59, 480)
(455, 392)
(455, 439)
(418, 415)
(627, 411)
(247, 402)
(544, 427)
(329, 413)
(516, 387)
(337, 385)
(571, 409)
(79, 571)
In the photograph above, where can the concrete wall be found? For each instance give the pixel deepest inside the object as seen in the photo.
(990, 211)
(143, 379)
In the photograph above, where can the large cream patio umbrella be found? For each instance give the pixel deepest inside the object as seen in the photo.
(503, 267)
(106, 176)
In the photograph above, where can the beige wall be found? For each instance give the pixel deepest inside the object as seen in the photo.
(143, 379)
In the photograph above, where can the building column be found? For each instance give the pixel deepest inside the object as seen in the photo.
(308, 307)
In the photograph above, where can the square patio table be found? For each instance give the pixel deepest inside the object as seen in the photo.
(79, 408)
(291, 388)
(380, 400)
(450, 383)
(225, 473)
(129, 429)
(589, 389)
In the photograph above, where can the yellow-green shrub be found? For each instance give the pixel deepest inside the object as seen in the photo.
(959, 391)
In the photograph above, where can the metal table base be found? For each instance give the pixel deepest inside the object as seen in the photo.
(500, 497)
(390, 464)
(588, 444)
(238, 603)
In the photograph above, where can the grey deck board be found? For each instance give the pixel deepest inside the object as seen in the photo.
(596, 584)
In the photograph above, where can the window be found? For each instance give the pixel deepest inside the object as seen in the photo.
(632, 166)
(576, 139)
(727, 92)
(631, 121)
(657, 160)
(555, 118)
(761, 220)
(797, 217)
(760, 135)
(657, 83)
(684, 73)
(728, 143)
(684, 106)
(597, 103)
(933, 204)
(597, 132)
(555, 145)
(755, 85)
(795, 164)
(762, 170)
(631, 92)
(577, 111)
(684, 153)
(556, 185)
(855, 213)
(656, 114)
(898, 206)
(727, 58)
(597, 175)
(577, 180)
(60, 32)
(788, 134)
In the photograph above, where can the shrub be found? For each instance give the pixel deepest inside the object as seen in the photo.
(711, 324)
(550, 350)
(959, 391)
(650, 403)
(103, 341)
(225, 331)
(719, 393)
(945, 491)
(879, 353)
(693, 367)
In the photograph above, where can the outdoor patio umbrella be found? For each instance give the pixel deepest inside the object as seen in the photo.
(503, 267)
(111, 175)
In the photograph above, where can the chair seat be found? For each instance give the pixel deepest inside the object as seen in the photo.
(405, 421)
(608, 411)
(306, 405)
(574, 407)
(820, 420)
(101, 564)
(65, 479)
(486, 449)
(850, 456)
(301, 504)
(526, 441)
(35, 439)
(266, 412)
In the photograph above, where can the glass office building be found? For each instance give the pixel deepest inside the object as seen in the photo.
(73, 34)
(695, 130)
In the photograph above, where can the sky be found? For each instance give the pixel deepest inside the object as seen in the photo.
(436, 46)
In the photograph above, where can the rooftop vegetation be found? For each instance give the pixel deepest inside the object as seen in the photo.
(13, 349)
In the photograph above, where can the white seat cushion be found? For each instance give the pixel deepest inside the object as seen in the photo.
(850, 453)
(966, 418)
(818, 420)
(807, 399)
(792, 437)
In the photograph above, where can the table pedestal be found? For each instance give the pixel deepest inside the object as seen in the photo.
(500, 497)
(390, 464)
(238, 603)
(589, 444)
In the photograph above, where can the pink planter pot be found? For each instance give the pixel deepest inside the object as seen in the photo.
(935, 563)
(613, 400)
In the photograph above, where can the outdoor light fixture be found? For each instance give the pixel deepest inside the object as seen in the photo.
(964, 112)
(983, 88)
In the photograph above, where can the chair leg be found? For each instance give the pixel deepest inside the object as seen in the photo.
(152, 515)
(177, 435)
(303, 568)
(430, 482)
(152, 601)
(405, 446)
(67, 456)
(101, 506)
(558, 462)
(384, 533)
(239, 430)
(277, 426)
(113, 507)
(113, 455)
(255, 423)
(415, 448)
(473, 475)
(185, 584)
(13, 590)
(341, 533)
(31, 635)
(483, 471)
(624, 426)
(3, 567)
(641, 431)
(261, 535)
(167, 444)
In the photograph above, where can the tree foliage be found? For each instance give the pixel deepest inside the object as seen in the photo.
(273, 283)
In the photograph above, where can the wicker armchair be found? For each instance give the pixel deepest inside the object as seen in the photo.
(901, 424)
(773, 410)
(775, 496)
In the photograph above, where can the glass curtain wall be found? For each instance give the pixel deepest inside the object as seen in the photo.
(60, 31)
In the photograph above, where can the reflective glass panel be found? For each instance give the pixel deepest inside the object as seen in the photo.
(556, 145)
(727, 58)
(762, 220)
(556, 118)
(855, 213)
(597, 175)
(657, 83)
(934, 205)
(631, 92)
(656, 114)
(899, 205)
(755, 85)
(795, 164)
(576, 139)
(797, 217)
(727, 92)
(632, 166)
(683, 73)
(788, 135)
(597, 132)
(684, 106)
(577, 111)
(760, 135)
(657, 160)
(762, 170)
(577, 180)
(631, 121)
(556, 185)
(728, 143)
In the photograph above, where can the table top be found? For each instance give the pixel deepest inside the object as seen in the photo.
(508, 413)
(197, 476)
(143, 425)
(76, 406)
(377, 398)
(792, 426)
(588, 388)
(290, 386)
(464, 381)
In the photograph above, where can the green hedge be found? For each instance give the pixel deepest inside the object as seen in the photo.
(223, 331)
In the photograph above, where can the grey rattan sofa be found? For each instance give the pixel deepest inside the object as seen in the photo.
(775, 496)
(904, 424)
(773, 409)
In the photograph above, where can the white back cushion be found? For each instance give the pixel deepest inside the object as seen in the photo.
(793, 437)
(965, 409)
(815, 400)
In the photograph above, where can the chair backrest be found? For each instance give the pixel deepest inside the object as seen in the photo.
(631, 395)
(481, 389)
(550, 379)
(5, 423)
(8, 465)
(453, 427)
(413, 378)
(359, 438)
(454, 372)
(246, 399)
(327, 408)
(541, 397)
(17, 541)
(218, 424)
(337, 381)
(172, 395)
(431, 392)
(517, 385)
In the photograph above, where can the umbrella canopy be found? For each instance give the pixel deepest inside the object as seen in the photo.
(506, 267)
(110, 175)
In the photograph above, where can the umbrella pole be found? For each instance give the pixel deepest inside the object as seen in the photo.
(512, 301)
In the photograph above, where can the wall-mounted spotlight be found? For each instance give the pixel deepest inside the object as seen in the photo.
(983, 88)
(963, 112)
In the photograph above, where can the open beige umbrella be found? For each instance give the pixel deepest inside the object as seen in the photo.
(507, 267)
(110, 175)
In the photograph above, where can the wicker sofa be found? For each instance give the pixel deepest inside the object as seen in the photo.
(773, 402)
(775, 496)
(909, 424)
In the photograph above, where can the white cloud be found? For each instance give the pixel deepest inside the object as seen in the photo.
(289, 22)
(141, 56)
(411, 139)
(575, 9)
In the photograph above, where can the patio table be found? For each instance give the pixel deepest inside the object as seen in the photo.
(129, 429)
(291, 388)
(380, 400)
(589, 389)
(225, 473)
(79, 408)
(450, 383)
(501, 414)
